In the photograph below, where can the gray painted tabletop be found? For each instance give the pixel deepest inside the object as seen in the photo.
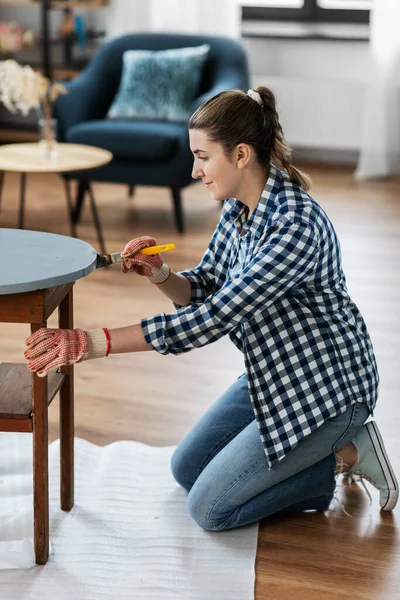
(33, 260)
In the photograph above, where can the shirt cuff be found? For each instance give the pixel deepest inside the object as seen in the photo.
(199, 291)
(153, 331)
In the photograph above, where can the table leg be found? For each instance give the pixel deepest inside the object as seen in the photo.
(67, 185)
(1, 185)
(65, 320)
(22, 201)
(80, 196)
(96, 220)
(40, 465)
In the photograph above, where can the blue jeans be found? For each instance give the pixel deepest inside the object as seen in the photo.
(222, 464)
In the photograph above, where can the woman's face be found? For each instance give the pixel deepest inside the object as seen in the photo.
(219, 174)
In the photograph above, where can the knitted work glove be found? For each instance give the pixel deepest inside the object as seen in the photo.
(151, 267)
(48, 349)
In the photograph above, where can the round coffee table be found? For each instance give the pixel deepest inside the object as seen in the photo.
(37, 275)
(28, 158)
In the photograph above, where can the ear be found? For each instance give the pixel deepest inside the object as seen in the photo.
(243, 154)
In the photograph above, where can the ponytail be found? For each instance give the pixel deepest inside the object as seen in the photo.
(282, 156)
(281, 152)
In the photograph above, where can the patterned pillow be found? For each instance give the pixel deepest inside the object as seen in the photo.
(159, 84)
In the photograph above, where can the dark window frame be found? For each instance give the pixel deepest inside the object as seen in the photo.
(310, 12)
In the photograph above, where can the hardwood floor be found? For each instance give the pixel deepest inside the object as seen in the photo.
(155, 399)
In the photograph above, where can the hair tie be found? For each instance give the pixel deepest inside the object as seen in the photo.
(255, 96)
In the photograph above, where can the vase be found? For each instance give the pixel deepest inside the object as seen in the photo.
(48, 138)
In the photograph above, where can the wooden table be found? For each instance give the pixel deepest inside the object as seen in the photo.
(37, 274)
(27, 158)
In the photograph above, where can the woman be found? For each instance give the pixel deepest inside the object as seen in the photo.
(272, 279)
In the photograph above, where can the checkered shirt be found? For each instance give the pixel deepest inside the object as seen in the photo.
(307, 352)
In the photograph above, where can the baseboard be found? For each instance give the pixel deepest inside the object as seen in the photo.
(326, 155)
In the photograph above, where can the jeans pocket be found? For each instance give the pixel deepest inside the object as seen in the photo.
(359, 413)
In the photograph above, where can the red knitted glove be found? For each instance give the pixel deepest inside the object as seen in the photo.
(152, 267)
(48, 349)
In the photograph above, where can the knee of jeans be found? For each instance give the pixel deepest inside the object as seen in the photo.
(180, 469)
(198, 506)
(198, 510)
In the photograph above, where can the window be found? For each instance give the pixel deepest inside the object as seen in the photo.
(331, 11)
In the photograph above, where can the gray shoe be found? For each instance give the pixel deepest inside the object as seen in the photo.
(374, 465)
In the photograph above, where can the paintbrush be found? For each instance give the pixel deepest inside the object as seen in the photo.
(115, 257)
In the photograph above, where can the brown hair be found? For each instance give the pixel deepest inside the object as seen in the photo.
(232, 117)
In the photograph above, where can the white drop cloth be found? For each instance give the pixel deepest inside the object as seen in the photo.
(128, 536)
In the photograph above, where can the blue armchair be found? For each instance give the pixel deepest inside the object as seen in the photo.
(145, 153)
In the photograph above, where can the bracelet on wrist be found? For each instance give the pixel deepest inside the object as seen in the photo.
(108, 337)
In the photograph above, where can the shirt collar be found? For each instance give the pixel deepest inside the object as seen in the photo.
(265, 204)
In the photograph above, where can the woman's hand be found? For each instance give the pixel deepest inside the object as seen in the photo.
(47, 349)
(151, 267)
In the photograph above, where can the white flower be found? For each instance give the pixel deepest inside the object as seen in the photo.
(23, 89)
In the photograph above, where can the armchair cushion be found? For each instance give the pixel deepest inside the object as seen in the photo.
(130, 139)
(159, 84)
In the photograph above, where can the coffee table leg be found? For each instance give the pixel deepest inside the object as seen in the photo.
(65, 320)
(80, 196)
(96, 220)
(40, 466)
(1, 185)
(22, 201)
(67, 185)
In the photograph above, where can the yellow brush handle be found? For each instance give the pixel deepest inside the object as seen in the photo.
(157, 249)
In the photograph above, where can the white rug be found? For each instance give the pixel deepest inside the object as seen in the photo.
(128, 536)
